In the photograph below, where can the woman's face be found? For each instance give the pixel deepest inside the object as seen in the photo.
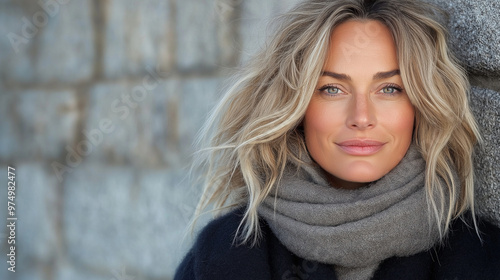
(359, 122)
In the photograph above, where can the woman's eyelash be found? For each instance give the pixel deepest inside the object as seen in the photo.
(325, 88)
(393, 86)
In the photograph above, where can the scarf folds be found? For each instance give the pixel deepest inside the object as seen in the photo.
(354, 230)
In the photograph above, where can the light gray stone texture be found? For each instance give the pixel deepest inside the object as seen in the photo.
(14, 46)
(65, 271)
(35, 206)
(36, 123)
(226, 12)
(55, 41)
(45, 123)
(197, 98)
(8, 137)
(475, 33)
(485, 104)
(140, 121)
(66, 51)
(137, 36)
(197, 32)
(121, 217)
(257, 23)
(157, 130)
(3, 204)
(4, 273)
(4, 231)
(33, 273)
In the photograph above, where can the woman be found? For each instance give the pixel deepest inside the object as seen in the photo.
(345, 152)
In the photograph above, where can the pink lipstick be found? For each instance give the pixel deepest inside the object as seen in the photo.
(360, 147)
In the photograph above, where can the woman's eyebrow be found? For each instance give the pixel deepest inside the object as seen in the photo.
(377, 76)
(337, 75)
(385, 75)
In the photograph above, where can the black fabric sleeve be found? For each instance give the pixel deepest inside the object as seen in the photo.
(185, 270)
(214, 256)
(465, 256)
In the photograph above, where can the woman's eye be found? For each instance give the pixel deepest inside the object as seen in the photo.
(388, 90)
(330, 90)
(391, 90)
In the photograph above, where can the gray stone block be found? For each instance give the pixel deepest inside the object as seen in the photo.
(197, 98)
(117, 217)
(8, 137)
(226, 12)
(137, 36)
(36, 123)
(66, 271)
(47, 43)
(33, 273)
(139, 121)
(254, 27)
(157, 130)
(4, 232)
(197, 35)
(45, 125)
(475, 33)
(4, 273)
(36, 227)
(485, 104)
(14, 55)
(257, 21)
(37, 202)
(285, 5)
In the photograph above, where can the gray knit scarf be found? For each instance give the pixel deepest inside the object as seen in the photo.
(354, 230)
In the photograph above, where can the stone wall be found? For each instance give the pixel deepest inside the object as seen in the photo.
(99, 104)
(475, 38)
(101, 100)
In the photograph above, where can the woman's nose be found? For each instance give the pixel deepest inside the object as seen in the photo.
(361, 113)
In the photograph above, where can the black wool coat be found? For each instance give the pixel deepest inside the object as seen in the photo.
(214, 257)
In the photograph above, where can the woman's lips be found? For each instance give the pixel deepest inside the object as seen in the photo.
(361, 147)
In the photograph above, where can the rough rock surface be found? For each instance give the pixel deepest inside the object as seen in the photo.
(486, 107)
(475, 33)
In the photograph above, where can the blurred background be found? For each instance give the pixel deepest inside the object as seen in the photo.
(100, 101)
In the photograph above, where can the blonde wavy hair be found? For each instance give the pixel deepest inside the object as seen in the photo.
(255, 129)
